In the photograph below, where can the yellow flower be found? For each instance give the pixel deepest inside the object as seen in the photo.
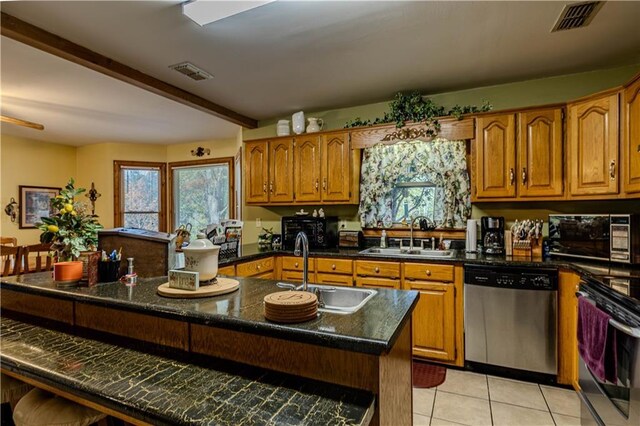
(62, 211)
(73, 213)
(52, 228)
(68, 207)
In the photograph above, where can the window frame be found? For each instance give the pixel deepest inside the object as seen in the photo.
(118, 211)
(229, 161)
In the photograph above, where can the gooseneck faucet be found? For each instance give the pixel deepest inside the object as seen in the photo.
(302, 240)
(413, 221)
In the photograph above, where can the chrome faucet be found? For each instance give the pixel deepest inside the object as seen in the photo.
(301, 239)
(413, 221)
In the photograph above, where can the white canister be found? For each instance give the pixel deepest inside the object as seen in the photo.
(283, 128)
(315, 124)
(201, 256)
(297, 122)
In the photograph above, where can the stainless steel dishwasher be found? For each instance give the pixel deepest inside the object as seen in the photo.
(510, 317)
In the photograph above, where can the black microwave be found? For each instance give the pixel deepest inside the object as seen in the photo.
(614, 237)
(322, 232)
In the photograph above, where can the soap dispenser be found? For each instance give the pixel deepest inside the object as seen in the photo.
(383, 239)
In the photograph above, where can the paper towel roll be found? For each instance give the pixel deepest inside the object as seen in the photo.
(472, 236)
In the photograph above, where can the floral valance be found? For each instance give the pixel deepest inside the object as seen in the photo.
(442, 161)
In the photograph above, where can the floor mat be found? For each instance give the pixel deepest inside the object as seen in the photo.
(426, 375)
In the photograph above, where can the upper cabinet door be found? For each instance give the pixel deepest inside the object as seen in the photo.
(593, 146)
(336, 167)
(495, 151)
(631, 137)
(539, 172)
(281, 171)
(256, 172)
(307, 164)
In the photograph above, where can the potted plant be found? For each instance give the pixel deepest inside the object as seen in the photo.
(70, 231)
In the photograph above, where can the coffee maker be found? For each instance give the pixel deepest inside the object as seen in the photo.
(492, 230)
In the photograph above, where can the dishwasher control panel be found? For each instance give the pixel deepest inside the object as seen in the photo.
(512, 277)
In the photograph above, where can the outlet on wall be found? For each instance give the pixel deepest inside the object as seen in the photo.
(258, 222)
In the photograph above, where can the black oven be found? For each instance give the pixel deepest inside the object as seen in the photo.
(322, 232)
(613, 402)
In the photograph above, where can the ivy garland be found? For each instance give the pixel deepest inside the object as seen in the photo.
(414, 107)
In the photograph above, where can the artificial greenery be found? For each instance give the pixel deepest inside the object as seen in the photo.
(413, 107)
(72, 229)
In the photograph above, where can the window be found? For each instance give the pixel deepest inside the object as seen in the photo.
(412, 199)
(140, 195)
(201, 192)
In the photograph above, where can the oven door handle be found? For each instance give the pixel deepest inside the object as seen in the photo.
(631, 331)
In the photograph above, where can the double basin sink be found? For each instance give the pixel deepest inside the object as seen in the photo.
(347, 300)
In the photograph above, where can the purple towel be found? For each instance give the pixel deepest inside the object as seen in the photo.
(596, 344)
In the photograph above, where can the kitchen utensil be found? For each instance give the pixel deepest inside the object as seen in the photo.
(315, 124)
(202, 256)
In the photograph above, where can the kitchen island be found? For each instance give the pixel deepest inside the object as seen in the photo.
(368, 351)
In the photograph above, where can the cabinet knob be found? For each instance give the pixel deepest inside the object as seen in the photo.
(264, 187)
(258, 267)
(512, 176)
(317, 185)
(524, 175)
(296, 265)
(333, 266)
(428, 272)
(324, 184)
(377, 269)
(612, 169)
(271, 187)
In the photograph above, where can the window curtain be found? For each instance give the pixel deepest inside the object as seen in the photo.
(442, 161)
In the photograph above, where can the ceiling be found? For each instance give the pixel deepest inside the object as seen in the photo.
(285, 56)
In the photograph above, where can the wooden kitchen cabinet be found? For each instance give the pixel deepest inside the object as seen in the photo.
(256, 169)
(281, 171)
(336, 167)
(568, 285)
(539, 150)
(334, 271)
(495, 157)
(438, 317)
(377, 274)
(261, 268)
(229, 271)
(630, 162)
(307, 168)
(593, 146)
(292, 269)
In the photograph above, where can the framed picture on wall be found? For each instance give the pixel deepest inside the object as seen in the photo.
(35, 202)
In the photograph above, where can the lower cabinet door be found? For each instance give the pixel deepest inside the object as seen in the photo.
(377, 282)
(434, 321)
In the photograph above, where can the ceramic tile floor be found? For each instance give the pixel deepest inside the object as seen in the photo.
(473, 399)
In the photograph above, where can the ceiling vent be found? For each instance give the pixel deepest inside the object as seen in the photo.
(577, 15)
(191, 71)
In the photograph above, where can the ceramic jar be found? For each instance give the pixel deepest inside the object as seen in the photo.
(201, 256)
(298, 122)
(283, 128)
(315, 125)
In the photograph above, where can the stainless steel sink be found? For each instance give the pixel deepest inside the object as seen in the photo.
(406, 253)
(336, 299)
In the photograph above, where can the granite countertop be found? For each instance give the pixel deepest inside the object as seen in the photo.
(161, 390)
(373, 329)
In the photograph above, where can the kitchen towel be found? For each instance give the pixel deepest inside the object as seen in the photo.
(596, 343)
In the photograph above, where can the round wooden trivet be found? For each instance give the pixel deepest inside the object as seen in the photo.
(223, 286)
(290, 306)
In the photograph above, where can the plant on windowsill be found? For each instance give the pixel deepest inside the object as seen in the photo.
(70, 231)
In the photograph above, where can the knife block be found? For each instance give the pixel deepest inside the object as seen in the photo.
(529, 248)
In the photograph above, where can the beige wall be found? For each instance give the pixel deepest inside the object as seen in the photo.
(30, 162)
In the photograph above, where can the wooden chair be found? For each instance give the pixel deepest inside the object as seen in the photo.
(9, 241)
(12, 259)
(37, 263)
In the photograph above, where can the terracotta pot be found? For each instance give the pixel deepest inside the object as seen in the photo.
(67, 271)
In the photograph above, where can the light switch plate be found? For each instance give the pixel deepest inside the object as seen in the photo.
(258, 222)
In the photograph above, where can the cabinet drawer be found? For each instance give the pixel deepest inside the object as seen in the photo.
(378, 269)
(227, 270)
(256, 267)
(377, 282)
(428, 272)
(291, 263)
(294, 276)
(334, 279)
(335, 266)
(265, 275)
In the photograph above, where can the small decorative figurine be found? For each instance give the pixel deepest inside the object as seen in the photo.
(321, 213)
(315, 213)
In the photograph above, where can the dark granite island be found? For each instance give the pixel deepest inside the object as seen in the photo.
(369, 350)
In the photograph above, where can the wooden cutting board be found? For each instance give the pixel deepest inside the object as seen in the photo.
(223, 286)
